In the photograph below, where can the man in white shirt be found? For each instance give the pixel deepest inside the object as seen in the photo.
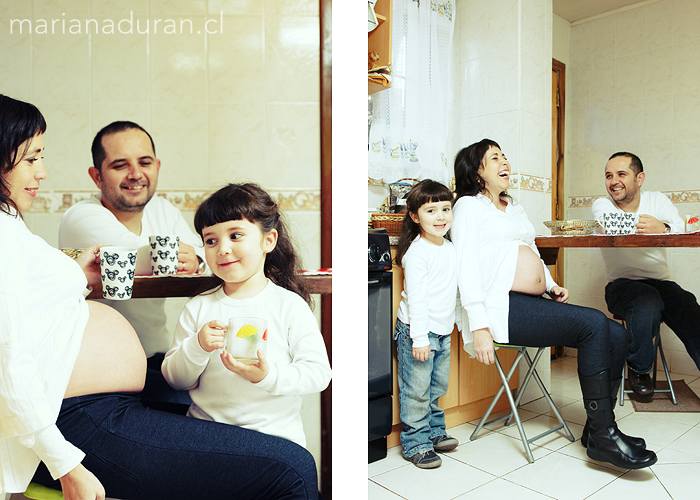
(126, 213)
(639, 286)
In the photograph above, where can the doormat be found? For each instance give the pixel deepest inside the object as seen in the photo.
(688, 401)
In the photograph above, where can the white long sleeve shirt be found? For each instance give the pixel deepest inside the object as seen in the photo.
(640, 263)
(88, 222)
(487, 242)
(296, 354)
(43, 315)
(429, 290)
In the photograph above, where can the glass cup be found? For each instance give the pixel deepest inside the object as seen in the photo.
(117, 265)
(692, 223)
(245, 337)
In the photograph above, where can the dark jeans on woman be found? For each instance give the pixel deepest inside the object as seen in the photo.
(158, 394)
(140, 453)
(534, 321)
(643, 304)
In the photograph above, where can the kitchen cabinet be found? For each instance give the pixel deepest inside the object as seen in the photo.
(472, 384)
(379, 42)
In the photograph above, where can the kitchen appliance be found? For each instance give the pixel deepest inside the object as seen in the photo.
(380, 344)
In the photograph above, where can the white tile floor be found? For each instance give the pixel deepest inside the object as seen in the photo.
(494, 466)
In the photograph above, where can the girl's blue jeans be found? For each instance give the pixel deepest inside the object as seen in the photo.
(421, 384)
(139, 453)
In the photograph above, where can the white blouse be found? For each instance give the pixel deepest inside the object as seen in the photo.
(429, 290)
(43, 315)
(487, 242)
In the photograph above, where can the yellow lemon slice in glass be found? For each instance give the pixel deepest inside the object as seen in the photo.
(246, 331)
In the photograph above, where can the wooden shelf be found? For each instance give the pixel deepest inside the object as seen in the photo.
(379, 41)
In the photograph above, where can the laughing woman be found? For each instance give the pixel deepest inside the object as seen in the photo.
(501, 283)
(70, 373)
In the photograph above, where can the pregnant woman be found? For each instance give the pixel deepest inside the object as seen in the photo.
(501, 283)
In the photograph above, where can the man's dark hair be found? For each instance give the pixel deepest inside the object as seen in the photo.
(98, 151)
(635, 164)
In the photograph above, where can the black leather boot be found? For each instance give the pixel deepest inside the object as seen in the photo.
(632, 441)
(605, 443)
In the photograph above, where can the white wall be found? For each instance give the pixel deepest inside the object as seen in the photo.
(633, 84)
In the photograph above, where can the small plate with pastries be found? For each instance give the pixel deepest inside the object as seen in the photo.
(572, 227)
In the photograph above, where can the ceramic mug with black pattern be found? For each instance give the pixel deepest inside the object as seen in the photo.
(117, 266)
(164, 252)
(619, 222)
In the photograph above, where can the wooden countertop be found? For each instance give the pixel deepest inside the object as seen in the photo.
(549, 245)
(191, 285)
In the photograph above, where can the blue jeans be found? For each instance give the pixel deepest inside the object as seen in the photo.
(139, 453)
(644, 304)
(534, 321)
(158, 394)
(421, 384)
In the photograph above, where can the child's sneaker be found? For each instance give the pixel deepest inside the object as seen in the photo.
(444, 443)
(427, 459)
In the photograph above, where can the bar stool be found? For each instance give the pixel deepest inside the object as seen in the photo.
(39, 492)
(513, 415)
(36, 491)
(658, 350)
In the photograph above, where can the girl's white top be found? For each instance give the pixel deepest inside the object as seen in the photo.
(429, 289)
(487, 242)
(43, 315)
(295, 351)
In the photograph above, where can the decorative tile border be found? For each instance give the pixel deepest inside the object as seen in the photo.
(289, 200)
(684, 196)
(582, 201)
(675, 197)
(522, 181)
(531, 183)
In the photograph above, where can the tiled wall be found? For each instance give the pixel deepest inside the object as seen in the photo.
(501, 86)
(502, 60)
(633, 84)
(240, 103)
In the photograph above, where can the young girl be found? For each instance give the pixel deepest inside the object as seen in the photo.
(425, 321)
(247, 246)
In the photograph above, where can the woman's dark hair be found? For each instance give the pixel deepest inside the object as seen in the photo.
(426, 191)
(252, 203)
(19, 121)
(468, 182)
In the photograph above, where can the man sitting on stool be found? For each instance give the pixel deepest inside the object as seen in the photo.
(639, 287)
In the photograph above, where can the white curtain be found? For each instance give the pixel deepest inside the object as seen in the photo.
(409, 121)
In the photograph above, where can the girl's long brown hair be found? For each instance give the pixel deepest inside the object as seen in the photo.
(250, 202)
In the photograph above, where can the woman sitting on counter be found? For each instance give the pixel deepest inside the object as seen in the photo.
(71, 370)
(501, 283)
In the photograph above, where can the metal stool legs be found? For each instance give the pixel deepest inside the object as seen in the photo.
(513, 415)
(658, 351)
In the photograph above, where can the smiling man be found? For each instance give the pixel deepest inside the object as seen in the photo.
(639, 286)
(126, 213)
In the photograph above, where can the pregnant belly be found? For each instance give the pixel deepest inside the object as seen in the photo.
(111, 358)
(529, 273)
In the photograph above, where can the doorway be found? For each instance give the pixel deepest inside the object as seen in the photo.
(558, 90)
